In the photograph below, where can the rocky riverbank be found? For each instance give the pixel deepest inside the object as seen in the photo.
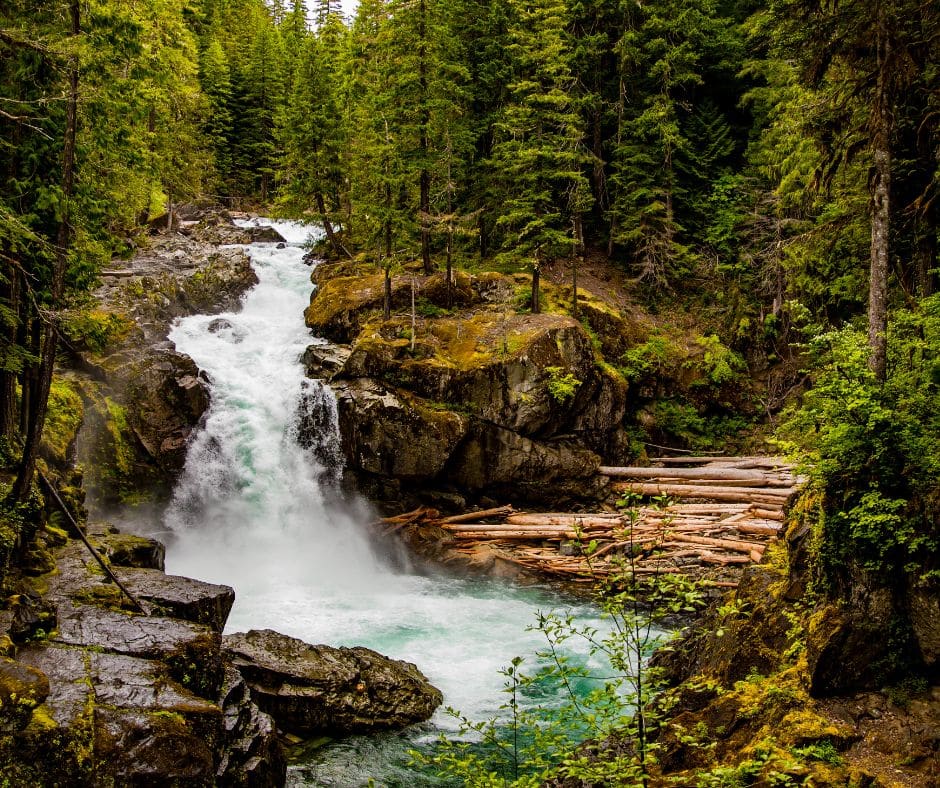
(102, 684)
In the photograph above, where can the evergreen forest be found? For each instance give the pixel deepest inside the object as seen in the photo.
(768, 169)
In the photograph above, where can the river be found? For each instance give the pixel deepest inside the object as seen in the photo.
(254, 510)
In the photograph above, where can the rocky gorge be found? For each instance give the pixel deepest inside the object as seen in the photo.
(460, 399)
(112, 671)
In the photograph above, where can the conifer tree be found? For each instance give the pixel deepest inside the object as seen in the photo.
(539, 139)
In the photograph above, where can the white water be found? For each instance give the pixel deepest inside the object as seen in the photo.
(249, 511)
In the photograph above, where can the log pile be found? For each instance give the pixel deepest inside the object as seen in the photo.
(720, 514)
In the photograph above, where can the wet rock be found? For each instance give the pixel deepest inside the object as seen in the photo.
(130, 550)
(182, 597)
(392, 434)
(503, 461)
(323, 361)
(252, 754)
(925, 621)
(137, 748)
(22, 688)
(114, 719)
(322, 690)
(846, 644)
(317, 429)
(266, 234)
(148, 729)
(218, 325)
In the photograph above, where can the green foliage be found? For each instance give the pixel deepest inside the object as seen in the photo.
(528, 744)
(650, 358)
(875, 449)
(720, 364)
(562, 385)
(94, 330)
(824, 751)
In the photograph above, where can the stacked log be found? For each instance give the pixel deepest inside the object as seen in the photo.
(725, 513)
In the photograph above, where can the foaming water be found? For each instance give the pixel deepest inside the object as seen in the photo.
(252, 510)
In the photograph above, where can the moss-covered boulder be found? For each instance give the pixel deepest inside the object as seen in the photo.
(491, 403)
(22, 689)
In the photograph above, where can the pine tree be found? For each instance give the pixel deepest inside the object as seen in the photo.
(539, 140)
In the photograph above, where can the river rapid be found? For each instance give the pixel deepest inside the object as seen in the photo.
(256, 510)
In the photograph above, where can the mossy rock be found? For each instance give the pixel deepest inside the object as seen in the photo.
(22, 689)
(63, 421)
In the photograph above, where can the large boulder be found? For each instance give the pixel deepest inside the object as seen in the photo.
(390, 433)
(311, 690)
(181, 597)
(496, 404)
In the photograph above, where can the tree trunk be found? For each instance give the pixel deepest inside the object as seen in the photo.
(880, 187)
(536, 285)
(8, 377)
(450, 265)
(425, 175)
(576, 261)
(387, 299)
(50, 333)
(338, 248)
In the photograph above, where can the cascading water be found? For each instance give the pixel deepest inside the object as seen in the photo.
(252, 510)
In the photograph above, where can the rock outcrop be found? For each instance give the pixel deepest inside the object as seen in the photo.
(317, 690)
(107, 695)
(142, 398)
(485, 401)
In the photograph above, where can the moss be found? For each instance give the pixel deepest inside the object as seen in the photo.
(95, 330)
(343, 295)
(63, 421)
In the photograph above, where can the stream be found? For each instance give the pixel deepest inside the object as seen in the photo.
(256, 510)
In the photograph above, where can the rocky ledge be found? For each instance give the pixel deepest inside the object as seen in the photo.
(142, 399)
(93, 692)
(317, 690)
(482, 402)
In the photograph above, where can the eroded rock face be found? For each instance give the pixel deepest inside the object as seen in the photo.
(336, 691)
(252, 755)
(394, 434)
(498, 405)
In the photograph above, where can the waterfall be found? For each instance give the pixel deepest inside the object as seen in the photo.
(252, 490)
(256, 508)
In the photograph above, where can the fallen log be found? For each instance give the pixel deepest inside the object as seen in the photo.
(769, 530)
(721, 474)
(725, 544)
(769, 514)
(498, 511)
(723, 560)
(741, 494)
(560, 518)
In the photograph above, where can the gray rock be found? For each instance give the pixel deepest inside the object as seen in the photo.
(130, 550)
(925, 620)
(182, 597)
(322, 690)
(389, 433)
(251, 754)
(324, 361)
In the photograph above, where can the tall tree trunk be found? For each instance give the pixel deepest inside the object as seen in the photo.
(535, 304)
(425, 175)
(576, 261)
(338, 248)
(880, 187)
(50, 329)
(8, 377)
